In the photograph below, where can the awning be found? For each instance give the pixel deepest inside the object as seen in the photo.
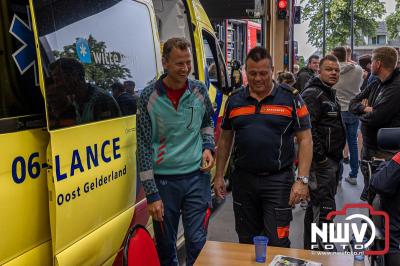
(232, 9)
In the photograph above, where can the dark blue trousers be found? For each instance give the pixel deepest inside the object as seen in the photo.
(191, 197)
(351, 125)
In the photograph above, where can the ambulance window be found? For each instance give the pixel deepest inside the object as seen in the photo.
(99, 56)
(214, 62)
(21, 103)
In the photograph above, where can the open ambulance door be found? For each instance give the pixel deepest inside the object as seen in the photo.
(86, 48)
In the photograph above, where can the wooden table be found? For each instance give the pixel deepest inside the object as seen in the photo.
(223, 253)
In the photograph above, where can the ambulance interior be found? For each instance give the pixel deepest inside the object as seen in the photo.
(173, 21)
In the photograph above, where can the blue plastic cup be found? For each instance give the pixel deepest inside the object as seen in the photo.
(260, 244)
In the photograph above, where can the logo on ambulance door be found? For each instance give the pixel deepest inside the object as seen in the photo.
(83, 51)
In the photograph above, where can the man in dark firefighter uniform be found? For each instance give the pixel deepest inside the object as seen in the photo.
(262, 120)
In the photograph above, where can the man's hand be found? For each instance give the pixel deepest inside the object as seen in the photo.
(207, 162)
(299, 192)
(368, 109)
(364, 102)
(219, 187)
(156, 210)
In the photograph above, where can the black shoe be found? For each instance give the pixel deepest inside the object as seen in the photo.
(364, 196)
(346, 160)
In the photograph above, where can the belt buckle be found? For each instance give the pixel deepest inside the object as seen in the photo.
(264, 173)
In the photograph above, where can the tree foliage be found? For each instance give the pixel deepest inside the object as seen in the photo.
(338, 20)
(103, 75)
(393, 22)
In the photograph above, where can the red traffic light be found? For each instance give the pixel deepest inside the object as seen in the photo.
(282, 4)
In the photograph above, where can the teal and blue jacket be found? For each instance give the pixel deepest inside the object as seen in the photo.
(171, 142)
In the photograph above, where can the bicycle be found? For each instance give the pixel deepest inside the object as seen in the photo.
(371, 167)
(368, 168)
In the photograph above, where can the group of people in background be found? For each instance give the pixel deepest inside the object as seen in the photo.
(125, 96)
(349, 102)
(351, 95)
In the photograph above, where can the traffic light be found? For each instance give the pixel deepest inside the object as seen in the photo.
(297, 15)
(282, 9)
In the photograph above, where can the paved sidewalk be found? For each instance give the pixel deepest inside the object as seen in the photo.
(222, 224)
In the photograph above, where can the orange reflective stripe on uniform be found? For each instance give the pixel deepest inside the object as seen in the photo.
(396, 158)
(302, 111)
(282, 232)
(245, 110)
(276, 110)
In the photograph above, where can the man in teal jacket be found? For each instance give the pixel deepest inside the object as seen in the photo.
(175, 149)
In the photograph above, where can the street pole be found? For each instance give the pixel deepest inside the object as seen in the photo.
(291, 36)
(323, 29)
(352, 29)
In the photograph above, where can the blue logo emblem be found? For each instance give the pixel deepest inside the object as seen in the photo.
(83, 51)
(24, 57)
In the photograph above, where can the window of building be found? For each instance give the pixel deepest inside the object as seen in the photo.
(378, 40)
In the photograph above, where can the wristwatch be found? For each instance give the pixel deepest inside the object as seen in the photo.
(303, 179)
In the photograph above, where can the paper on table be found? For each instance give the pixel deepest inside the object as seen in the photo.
(280, 260)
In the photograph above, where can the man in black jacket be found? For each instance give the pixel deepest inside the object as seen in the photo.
(306, 73)
(378, 106)
(329, 139)
(386, 182)
(365, 63)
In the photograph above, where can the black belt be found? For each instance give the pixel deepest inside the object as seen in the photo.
(267, 173)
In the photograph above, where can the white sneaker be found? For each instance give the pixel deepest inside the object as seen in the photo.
(351, 180)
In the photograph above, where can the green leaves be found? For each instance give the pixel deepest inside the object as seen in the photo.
(393, 22)
(338, 16)
(103, 75)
